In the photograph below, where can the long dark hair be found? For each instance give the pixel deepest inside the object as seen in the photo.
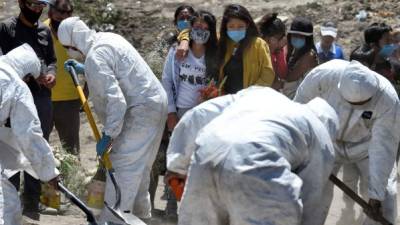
(238, 12)
(212, 43)
(270, 25)
(300, 24)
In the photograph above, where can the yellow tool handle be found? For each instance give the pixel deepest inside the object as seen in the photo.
(106, 160)
(89, 114)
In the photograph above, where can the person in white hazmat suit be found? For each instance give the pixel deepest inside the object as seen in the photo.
(131, 104)
(22, 144)
(253, 163)
(368, 136)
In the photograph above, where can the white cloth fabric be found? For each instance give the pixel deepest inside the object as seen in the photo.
(22, 145)
(131, 104)
(192, 76)
(288, 138)
(368, 133)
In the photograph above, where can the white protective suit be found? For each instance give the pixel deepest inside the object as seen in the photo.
(131, 104)
(368, 134)
(22, 146)
(288, 137)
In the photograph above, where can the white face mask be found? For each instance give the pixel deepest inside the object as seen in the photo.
(75, 54)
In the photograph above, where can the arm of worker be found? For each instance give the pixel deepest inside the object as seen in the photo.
(182, 143)
(99, 74)
(383, 149)
(167, 80)
(25, 124)
(183, 48)
(315, 176)
(267, 75)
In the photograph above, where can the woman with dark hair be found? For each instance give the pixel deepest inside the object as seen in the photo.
(302, 54)
(243, 57)
(273, 31)
(182, 80)
(377, 51)
(181, 21)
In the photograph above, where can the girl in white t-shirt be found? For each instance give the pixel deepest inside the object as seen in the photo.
(182, 80)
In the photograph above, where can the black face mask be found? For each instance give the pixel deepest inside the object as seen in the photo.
(30, 15)
(55, 24)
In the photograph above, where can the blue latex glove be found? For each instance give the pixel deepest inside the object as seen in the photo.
(103, 144)
(79, 67)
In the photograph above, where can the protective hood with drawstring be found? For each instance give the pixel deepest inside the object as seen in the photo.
(257, 140)
(131, 104)
(23, 143)
(368, 133)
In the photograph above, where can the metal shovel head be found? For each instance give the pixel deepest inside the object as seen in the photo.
(126, 218)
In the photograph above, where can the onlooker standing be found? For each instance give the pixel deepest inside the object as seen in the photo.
(244, 58)
(15, 31)
(377, 50)
(327, 48)
(302, 54)
(273, 31)
(65, 99)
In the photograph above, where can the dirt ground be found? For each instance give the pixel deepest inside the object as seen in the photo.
(146, 23)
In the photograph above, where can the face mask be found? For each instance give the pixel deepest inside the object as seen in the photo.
(55, 24)
(199, 36)
(30, 15)
(298, 42)
(387, 50)
(75, 54)
(182, 24)
(237, 35)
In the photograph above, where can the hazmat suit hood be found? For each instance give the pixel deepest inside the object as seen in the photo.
(74, 32)
(358, 83)
(23, 60)
(326, 114)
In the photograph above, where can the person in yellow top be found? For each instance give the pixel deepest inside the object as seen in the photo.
(243, 57)
(65, 99)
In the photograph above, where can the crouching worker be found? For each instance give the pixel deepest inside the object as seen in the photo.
(22, 144)
(131, 104)
(253, 163)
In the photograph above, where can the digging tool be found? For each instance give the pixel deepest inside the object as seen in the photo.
(356, 198)
(105, 158)
(76, 201)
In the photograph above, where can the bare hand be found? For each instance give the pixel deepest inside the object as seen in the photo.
(48, 80)
(182, 50)
(172, 120)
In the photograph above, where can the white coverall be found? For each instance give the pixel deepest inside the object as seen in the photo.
(368, 135)
(303, 145)
(131, 104)
(22, 146)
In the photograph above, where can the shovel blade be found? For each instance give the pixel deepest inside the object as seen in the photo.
(126, 218)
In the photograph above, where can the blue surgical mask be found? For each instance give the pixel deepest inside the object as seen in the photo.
(387, 50)
(182, 24)
(237, 35)
(298, 42)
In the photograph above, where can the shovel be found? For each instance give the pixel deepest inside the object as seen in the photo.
(105, 158)
(356, 198)
(89, 214)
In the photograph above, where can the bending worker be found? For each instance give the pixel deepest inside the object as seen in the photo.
(131, 104)
(368, 136)
(22, 144)
(253, 164)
